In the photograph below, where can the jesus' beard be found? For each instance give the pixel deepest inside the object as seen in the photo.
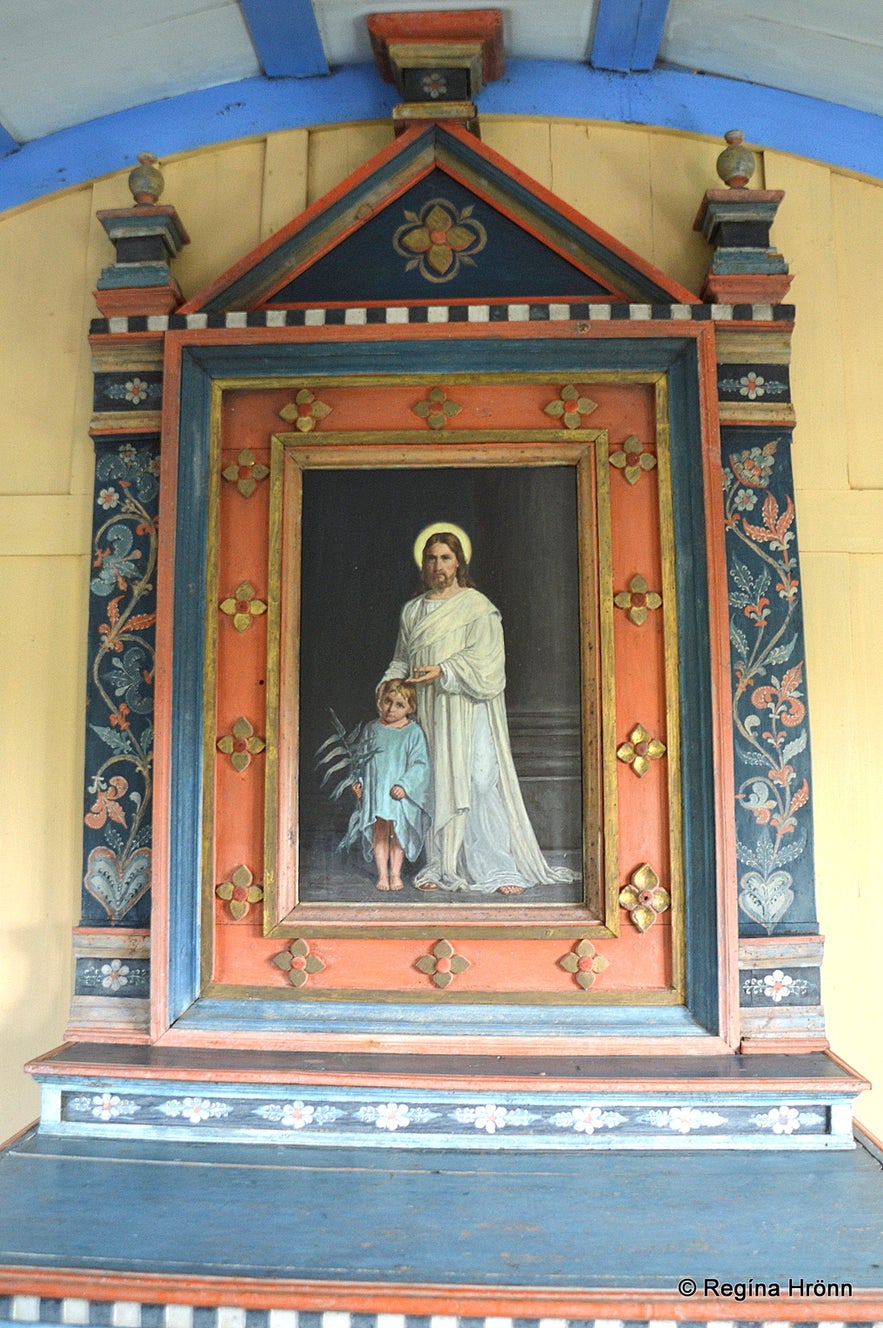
(436, 581)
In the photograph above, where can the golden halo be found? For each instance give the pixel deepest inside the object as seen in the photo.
(439, 526)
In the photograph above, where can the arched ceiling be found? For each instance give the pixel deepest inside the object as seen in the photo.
(71, 68)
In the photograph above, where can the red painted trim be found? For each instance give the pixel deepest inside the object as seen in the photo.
(31, 1066)
(13, 1139)
(757, 1045)
(165, 582)
(139, 301)
(466, 1082)
(785, 942)
(864, 1305)
(435, 143)
(747, 288)
(446, 25)
(579, 328)
(451, 303)
(116, 932)
(680, 294)
(196, 302)
(846, 1067)
(614, 1045)
(130, 340)
(176, 340)
(759, 420)
(127, 1035)
(721, 700)
(396, 189)
(869, 1140)
(146, 430)
(400, 188)
(475, 187)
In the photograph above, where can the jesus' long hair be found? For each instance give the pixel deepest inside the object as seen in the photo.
(448, 537)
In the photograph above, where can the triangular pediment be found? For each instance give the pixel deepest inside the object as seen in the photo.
(437, 217)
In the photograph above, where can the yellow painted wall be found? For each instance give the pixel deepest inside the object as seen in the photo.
(644, 186)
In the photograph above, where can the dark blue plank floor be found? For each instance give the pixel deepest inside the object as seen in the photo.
(617, 1220)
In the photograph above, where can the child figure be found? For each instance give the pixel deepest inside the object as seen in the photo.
(395, 794)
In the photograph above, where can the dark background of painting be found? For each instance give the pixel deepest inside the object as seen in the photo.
(357, 570)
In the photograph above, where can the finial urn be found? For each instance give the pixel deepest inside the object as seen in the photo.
(736, 163)
(146, 180)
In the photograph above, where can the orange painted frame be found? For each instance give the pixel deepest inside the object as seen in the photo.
(714, 556)
(649, 965)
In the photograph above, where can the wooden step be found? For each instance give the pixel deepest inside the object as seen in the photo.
(464, 1102)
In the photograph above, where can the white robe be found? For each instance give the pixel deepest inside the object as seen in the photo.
(481, 837)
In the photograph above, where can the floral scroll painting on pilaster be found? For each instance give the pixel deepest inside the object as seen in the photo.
(769, 709)
(119, 743)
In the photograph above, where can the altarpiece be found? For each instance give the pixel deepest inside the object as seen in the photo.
(441, 345)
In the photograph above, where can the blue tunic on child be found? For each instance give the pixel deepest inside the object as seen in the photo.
(399, 756)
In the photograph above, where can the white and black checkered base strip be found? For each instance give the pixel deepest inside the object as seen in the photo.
(131, 1314)
(124, 1314)
(404, 314)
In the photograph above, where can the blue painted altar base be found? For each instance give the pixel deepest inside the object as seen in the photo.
(278, 1217)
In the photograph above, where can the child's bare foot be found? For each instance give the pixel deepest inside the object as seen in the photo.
(511, 890)
(396, 883)
(382, 883)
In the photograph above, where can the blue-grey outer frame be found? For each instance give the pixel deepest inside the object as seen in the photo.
(188, 672)
(248, 359)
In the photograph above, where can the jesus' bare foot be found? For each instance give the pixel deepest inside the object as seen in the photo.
(396, 883)
(511, 890)
(383, 883)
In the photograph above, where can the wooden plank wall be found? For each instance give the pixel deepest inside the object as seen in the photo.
(642, 185)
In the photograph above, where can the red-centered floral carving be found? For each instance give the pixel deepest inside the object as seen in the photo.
(570, 407)
(305, 410)
(239, 892)
(644, 898)
(241, 744)
(439, 239)
(584, 963)
(298, 962)
(632, 460)
(640, 750)
(437, 408)
(243, 606)
(638, 601)
(246, 473)
(442, 964)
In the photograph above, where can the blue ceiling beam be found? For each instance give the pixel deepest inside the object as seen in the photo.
(673, 99)
(286, 37)
(627, 34)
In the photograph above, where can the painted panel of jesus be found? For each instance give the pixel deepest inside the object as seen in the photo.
(441, 703)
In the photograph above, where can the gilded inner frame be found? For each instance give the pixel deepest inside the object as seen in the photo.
(285, 910)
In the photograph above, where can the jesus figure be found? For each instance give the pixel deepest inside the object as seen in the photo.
(450, 645)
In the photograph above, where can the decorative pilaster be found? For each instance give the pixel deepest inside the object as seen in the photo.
(111, 945)
(780, 950)
(112, 942)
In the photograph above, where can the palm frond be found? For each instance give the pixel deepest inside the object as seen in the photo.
(349, 751)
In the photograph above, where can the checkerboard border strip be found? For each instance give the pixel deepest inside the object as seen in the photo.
(470, 314)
